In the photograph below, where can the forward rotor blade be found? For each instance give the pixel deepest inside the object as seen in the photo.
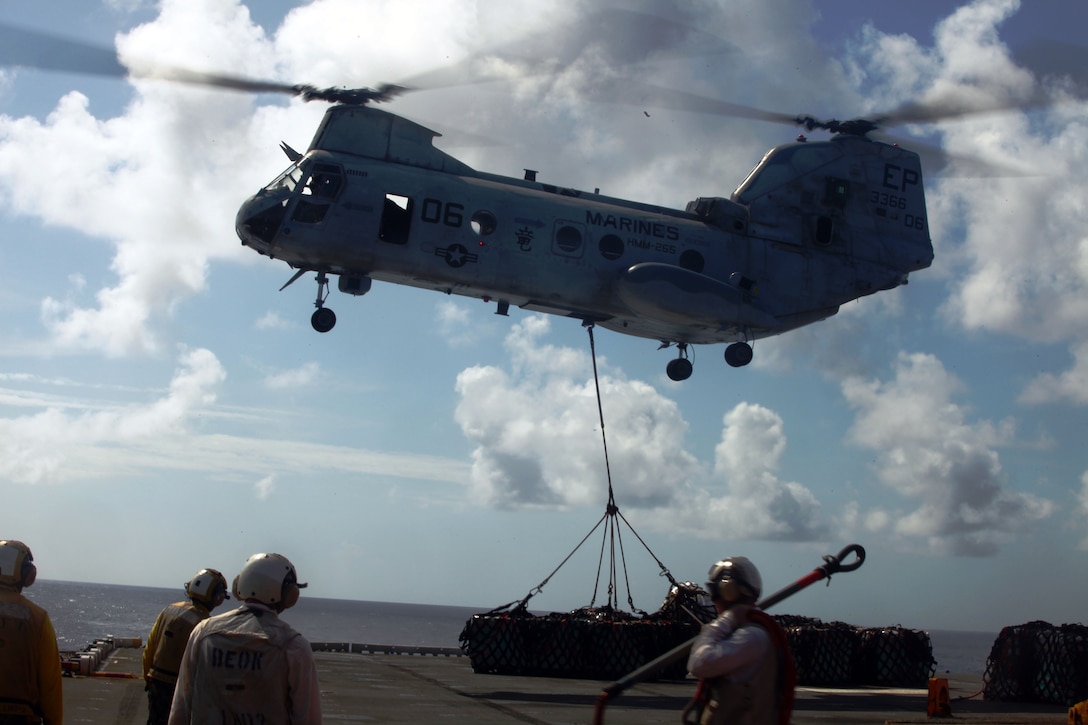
(27, 48)
(613, 37)
(33, 49)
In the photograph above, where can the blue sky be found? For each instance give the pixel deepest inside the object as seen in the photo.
(164, 408)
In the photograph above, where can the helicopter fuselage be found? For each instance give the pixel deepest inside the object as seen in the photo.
(816, 224)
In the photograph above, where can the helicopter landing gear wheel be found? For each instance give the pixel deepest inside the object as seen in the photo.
(680, 368)
(738, 354)
(323, 319)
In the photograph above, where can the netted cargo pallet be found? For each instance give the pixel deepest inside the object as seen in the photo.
(577, 644)
(894, 657)
(836, 654)
(824, 654)
(1039, 662)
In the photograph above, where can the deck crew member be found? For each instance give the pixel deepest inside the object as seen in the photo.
(30, 676)
(741, 658)
(248, 665)
(169, 635)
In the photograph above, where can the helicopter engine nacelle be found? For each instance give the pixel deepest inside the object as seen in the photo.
(680, 295)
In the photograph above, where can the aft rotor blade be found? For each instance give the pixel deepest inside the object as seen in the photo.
(636, 93)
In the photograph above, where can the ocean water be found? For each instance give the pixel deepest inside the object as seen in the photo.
(82, 613)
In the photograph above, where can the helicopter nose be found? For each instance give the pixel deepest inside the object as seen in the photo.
(258, 221)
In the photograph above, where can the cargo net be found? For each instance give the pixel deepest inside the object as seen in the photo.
(604, 644)
(836, 654)
(1039, 662)
(589, 643)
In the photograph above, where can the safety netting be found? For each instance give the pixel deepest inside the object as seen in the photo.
(1039, 662)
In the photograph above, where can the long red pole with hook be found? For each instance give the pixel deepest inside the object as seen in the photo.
(831, 565)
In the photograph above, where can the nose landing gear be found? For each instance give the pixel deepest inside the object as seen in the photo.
(323, 319)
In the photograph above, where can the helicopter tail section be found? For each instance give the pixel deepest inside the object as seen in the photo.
(836, 219)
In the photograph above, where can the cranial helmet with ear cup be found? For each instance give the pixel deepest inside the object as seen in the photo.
(269, 579)
(209, 587)
(735, 579)
(16, 564)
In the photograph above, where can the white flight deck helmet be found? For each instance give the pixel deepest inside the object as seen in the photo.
(209, 587)
(16, 564)
(734, 580)
(269, 579)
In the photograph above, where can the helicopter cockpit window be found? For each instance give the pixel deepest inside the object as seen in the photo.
(286, 181)
(322, 186)
(782, 165)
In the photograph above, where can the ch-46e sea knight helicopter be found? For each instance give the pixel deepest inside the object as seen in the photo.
(814, 225)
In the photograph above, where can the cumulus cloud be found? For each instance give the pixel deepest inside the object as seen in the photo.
(537, 433)
(946, 466)
(1070, 386)
(33, 448)
(272, 321)
(298, 377)
(745, 498)
(538, 444)
(455, 323)
(265, 488)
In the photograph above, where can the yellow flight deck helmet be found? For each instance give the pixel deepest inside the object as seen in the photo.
(209, 587)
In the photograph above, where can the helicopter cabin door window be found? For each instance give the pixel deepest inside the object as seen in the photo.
(320, 190)
(396, 221)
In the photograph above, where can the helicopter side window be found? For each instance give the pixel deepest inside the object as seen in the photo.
(396, 221)
(324, 182)
(483, 223)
